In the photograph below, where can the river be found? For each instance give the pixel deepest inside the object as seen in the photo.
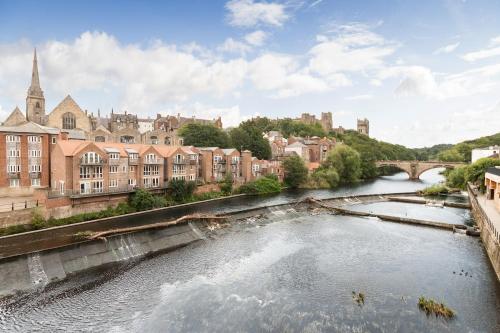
(290, 272)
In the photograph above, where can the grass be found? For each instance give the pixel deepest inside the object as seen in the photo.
(436, 190)
(429, 306)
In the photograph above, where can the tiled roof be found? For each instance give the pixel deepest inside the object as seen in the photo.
(30, 127)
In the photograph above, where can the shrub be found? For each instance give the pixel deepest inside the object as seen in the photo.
(263, 185)
(326, 178)
(430, 306)
(181, 190)
(144, 200)
(37, 221)
(436, 190)
(226, 186)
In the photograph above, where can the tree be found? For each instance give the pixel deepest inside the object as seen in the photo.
(346, 161)
(475, 172)
(248, 136)
(226, 185)
(328, 176)
(201, 135)
(450, 155)
(263, 185)
(144, 200)
(181, 190)
(295, 171)
(455, 178)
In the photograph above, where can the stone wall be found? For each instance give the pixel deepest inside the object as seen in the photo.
(489, 236)
(16, 217)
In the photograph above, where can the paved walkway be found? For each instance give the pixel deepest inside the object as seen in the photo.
(493, 214)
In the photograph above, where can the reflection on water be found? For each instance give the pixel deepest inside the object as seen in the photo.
(291, 272)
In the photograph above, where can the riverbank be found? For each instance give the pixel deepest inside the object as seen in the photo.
(488, 220)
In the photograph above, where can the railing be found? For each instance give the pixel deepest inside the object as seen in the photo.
(91, 192)
(34, 175)
(179, 161)
(153, 160)
(133, 161)
(475, 202)
(86, 161)
(14, 175)
(20, 205)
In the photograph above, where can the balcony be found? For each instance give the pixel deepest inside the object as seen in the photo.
(86, 161)
(35, 175)
(179, 161)
(193, 162)
(152, 161)
(14, 175)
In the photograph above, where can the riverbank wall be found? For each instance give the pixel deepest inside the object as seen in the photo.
(35, 270)
(489, 235)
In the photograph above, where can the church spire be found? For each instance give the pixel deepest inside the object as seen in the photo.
(35, 89)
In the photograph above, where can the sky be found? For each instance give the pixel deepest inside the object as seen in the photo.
(423, 72)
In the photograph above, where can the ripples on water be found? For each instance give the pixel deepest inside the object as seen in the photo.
(290, 272)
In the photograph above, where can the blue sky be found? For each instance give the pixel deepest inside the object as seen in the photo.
(423, 72)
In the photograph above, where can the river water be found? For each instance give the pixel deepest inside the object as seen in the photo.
(288, 272)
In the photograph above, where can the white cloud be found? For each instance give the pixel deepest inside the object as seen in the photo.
(256, 38)
(447, 49)
(421, 81)
(481, 54)
(233, 46)
(248, 13)
(494, 41)
(281, 74)
(315, 3)
(353, 48)
(359, 97)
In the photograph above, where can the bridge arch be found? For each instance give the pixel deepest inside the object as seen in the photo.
(416, 168)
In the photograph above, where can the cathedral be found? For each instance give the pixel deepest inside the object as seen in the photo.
(81, 125)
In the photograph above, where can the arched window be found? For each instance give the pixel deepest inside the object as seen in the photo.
(100, 138)
(127, 139)
(68, 121)
(37, 105)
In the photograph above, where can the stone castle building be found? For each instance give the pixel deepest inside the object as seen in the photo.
(326, 120)
(363, 126)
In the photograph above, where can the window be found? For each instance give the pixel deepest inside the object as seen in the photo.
(34, 139)
(127, 139)
(84, 187)
(178, 159)
(235, 160)
(113, 169)
(53, 140)
(34, 153)
(255, 167)
(181, 142)
(114, 156)
(84, 172)
(131, 168)
(167, 141)
(68, 121)
(14, 153)
(35, 182)
(91, 158)
(13, 168)
(154, 140)
(100, 138)
(97, 186)
(150, 158)
(97, 172)
(192, 177)
(35, 168)
(179, 168)
(217, 159)
(132, 182)
(113, 183)
(14, 183)
(151, 170)
(156, 182)
(133, 156)
(13, 138)
(124, 168)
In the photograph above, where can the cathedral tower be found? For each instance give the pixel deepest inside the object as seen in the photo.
(35, 102)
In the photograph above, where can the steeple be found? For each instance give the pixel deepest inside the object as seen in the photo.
(35, 89)
(35, 102)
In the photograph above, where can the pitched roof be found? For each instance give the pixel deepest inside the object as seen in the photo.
(15, 118)
(228, 151)
(30, 127)
(297, 144)
(69, 102)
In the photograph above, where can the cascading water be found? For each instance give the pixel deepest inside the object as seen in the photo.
(38, 276)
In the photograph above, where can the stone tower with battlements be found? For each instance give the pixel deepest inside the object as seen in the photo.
(327, 121)
(364, 127)
(35, 101)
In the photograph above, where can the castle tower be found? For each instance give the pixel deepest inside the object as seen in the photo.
(35, 102)
(327, 121)
(364, 126)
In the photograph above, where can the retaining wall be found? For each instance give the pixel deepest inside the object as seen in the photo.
(489, 235)
(35, 270)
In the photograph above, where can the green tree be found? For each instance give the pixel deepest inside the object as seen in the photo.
(144, 200)
(323, 177)
(263, 185)
(226, 185)
(475, 172)
(346, 161)
(181, 190)
(295, 171)
(201, 135)
(455, 178)
(248, 136)
(450, 155)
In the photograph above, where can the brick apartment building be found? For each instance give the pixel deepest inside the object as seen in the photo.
(25, 156)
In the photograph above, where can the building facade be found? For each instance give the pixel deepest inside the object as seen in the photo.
(491, 151)
(363, 126)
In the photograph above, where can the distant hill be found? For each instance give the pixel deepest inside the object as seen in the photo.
(461, 152)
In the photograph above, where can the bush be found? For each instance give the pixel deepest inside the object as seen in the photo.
(263, 185)
(144, 200)
(346, 162)
(436, 190)
(37, 221)
(326, 178)
(226, 186)
(181, 190)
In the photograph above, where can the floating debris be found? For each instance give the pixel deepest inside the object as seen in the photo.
(358, 298)
(429, 306)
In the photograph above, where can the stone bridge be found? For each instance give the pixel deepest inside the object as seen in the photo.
(415, 168)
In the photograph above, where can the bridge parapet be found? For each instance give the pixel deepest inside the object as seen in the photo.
(415, 168)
